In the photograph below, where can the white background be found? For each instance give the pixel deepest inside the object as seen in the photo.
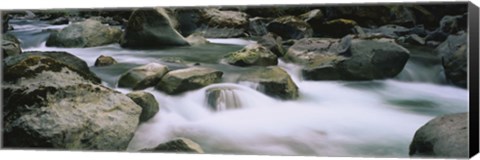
(46, 4)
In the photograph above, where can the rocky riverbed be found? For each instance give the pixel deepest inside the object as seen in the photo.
(287, 80)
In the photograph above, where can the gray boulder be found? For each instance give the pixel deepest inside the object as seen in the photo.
(257, 26)
(10, 45)
(453, 53)
(151, 28)
(272, 81)
(252, 55)
(147, 102)
(221, 99)
(182, 80)
(89, 33)
(273, 42)
(351, 58)
(290, 27)
(48, 104)
(443, 137)
(104, 61)
(143, 76)
(224, 19)
(177, 145)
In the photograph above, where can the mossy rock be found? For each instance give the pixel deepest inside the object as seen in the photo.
(148, 103)
(273, 81)
(143, 76)
(290, 27)
(182, 80)
(252, 55)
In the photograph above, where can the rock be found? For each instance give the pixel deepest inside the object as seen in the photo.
(390, 30)
(59, 21)
(351, 58)
(290, 27)
(66, 59)
(456, 67)
(196, 39)
(224, 19)
(177, 145)
(147, 102)
(182, 80)
(151, 28)
(106, 20)
(221, 99)
(48, 104)
(258, 26)
(443, 137)
(89, 33)
(453, 24)
(252, 55)
(10, 45)
(312, 17)
(337, 28)
(5, 19)
(143, 76)
(215, 32)
(273, 43)
(272, 81)
(415, 39)
(450, 45)
(188, 20)
(104, 61)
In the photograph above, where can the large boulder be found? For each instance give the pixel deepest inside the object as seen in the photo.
(221, 99)
(443, 137)
(252, 55)
(74, 63)
(453, 53)
(89, 33)
(151, 28)
(147, 102)
(48, 104)
(182, 80)
(10, 45)
(104, 61)
(336, 28)
(224, 19)
(273, 81)
(177, 145)
(257, 26)
(143, 76)
(290, 27)
(453, 24)
(351, 58)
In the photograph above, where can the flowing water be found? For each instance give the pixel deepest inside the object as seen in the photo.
(331, 118)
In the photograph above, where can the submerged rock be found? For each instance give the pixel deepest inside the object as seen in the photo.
(182, 80)
(443, 137)
(290, 27)
(89, 33)
(221, 99)
(104, 61)
(272, 81)
(143, 76)
(10, 45)
(151, 28)
(147, 102)
(48, 104)
(252, 55)
(177, 145)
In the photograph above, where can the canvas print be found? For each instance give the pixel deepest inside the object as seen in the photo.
(357, 80)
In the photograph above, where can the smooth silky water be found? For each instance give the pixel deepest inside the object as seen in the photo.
(331, 118)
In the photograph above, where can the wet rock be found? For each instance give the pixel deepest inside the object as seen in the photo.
(182, 80)
(313, 17)
(221, 99)
(5, 25)
(147, 102)
(177, 145)
(392, 31)
(104, 61)
(451, 44)
(351, 58)
(273, 42)
(456, 67)
(415, 39)
(290, 27)
(151, 28)
(453, 24)
(10, 45)
(224, 19)
(89, 33)
(64, 58)
(443, 137)
(272, 81)
(197, 39)
(221, 32)
(143, 76)
(252, 55)
(50, 105)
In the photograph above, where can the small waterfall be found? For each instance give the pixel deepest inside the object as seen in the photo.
(221, 99)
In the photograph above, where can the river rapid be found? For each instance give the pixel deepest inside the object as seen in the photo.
(331, 118)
